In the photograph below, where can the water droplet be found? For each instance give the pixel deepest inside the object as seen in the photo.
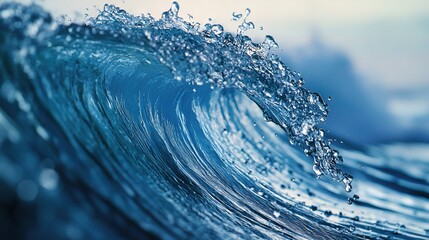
(27, 190)
(42, 132)
(351, 200)
(317, 170)
(173, 12)
(248, 11)
(217, 29)
(22, 103)
(327, 213)
(276, 214)
(236, 16)
(347, 180)
(175, 8)
(270, 42)
(48, 179)
(305, 128)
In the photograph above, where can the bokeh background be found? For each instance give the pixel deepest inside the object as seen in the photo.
(370, 57)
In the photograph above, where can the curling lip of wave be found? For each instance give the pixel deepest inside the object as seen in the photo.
(213, 57)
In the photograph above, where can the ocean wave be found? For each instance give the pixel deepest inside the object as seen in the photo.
(135, 127)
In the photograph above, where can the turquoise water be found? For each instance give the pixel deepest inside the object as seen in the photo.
(135, 127)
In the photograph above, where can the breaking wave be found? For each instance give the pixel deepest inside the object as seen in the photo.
(135, 127)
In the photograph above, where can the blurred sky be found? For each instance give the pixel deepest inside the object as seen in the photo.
(371, 57)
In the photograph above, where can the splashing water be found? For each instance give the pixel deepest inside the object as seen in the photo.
(135, 127)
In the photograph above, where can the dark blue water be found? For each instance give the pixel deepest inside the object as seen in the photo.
(131, 127)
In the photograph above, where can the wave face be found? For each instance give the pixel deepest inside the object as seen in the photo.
(133, 127)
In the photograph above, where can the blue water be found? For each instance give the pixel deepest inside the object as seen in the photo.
(132, 127)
